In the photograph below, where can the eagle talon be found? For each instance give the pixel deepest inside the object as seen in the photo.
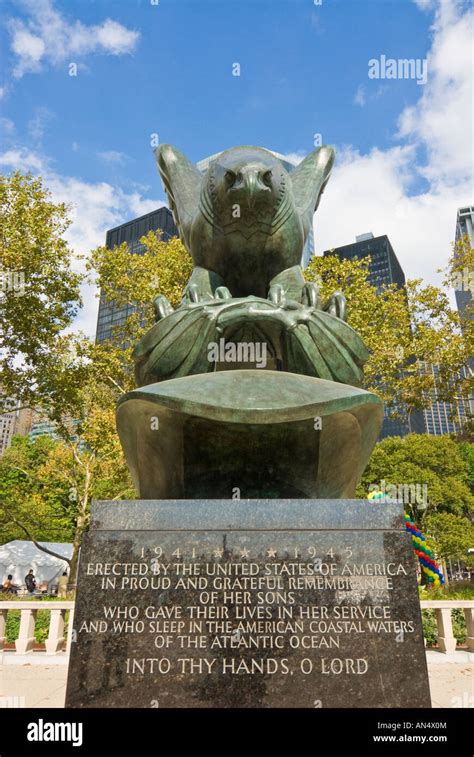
(162, 307)
(336, 305)
(311, 296)
(193, 293)
(222, 293)
(277, 295)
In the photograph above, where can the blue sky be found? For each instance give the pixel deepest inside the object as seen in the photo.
(301, 66)
(167, 69)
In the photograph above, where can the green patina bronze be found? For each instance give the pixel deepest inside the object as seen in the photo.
(245, 222)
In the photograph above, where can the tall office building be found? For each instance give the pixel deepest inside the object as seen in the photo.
(384, 269)
(111, 315)
(7, 424)
(43, 428)
(308, 250)
(442, 417)
(464, 224)
(17, 421)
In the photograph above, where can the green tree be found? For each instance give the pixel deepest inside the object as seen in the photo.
(405, 329)
(459, 274)
(452, 536)
(47, 485)
(24, 496)
(59, 373)
(40, 291)
(466, 451)
(431, 465)
(163, 267)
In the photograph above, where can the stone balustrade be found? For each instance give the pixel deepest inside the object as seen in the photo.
(443, 609)
(55, 641)
(25, 643)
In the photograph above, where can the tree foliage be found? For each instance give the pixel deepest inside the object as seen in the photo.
(452, 536)
(40, 290)
(163, 267)
(405, 329)
(434, 464)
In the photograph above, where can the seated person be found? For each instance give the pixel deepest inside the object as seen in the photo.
(8, 586)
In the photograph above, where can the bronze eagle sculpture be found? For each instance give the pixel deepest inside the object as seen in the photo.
(244, 222)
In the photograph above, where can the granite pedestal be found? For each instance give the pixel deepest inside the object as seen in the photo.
(247, 603)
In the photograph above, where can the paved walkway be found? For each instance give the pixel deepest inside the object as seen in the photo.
(451, 678)
(39, 680)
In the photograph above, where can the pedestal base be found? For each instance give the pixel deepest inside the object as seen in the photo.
(250, 603)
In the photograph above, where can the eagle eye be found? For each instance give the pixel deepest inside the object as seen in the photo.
(230, 178)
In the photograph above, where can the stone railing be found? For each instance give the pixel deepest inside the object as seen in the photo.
(443, 608)
(26, 637)
(55, 641)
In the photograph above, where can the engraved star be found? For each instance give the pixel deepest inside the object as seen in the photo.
(271, 552)
(244, 553)
(218, 552)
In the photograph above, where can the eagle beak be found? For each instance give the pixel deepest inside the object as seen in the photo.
(251, 186)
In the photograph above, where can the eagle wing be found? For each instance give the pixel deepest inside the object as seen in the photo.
(182, 183)
(309, 179)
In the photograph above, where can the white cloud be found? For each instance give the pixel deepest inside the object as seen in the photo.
(113, 156)
(139, 206)
(7, 125)
(23, 160)
(95, 207)
(375, 192)
(37, 125)
(114, 38)
(3, 92)
(371, 193)
(442, 118)
(29, 48)
(360, 97)
(425, 4)
(46, 36)
(294, 157)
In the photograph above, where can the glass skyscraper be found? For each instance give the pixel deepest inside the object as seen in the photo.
(111, 315)
(464, 224)
(441, 417)
(384, 269)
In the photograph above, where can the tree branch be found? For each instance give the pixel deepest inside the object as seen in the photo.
(120, 388)
(36, 543)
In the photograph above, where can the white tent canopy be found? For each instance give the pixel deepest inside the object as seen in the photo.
(17, 557)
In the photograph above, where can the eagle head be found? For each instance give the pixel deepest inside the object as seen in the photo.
(244, 190)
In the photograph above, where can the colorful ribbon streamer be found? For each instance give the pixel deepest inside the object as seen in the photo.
(428, 564)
